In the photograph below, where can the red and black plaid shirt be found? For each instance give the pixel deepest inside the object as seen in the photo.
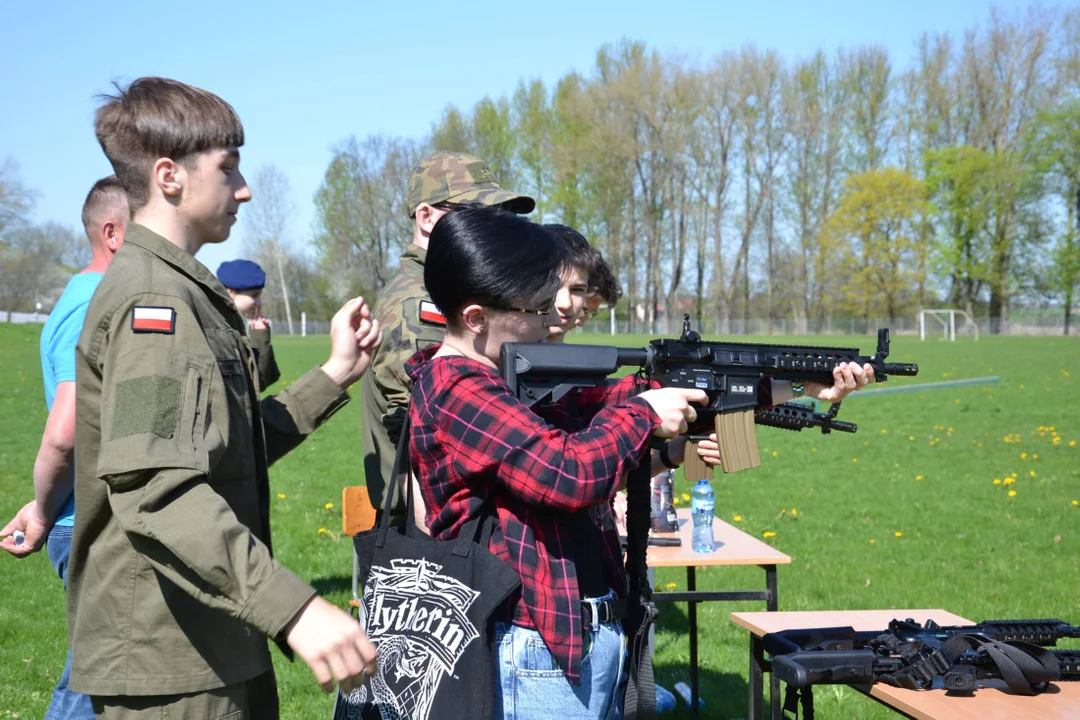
(472, 441)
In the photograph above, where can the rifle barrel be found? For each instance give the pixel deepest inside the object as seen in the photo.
(902, 369)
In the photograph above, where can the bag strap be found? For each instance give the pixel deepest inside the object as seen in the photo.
(401, 460)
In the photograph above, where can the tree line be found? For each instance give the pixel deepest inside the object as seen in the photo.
(757, 186)
(846, 184)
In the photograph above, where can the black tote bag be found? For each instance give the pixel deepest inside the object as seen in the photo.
(427, 607)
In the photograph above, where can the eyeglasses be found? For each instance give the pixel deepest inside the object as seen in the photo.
(538, 313)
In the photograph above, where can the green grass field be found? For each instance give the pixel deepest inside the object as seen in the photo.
(964, 499)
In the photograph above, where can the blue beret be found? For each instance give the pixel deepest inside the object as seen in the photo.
(241, 275)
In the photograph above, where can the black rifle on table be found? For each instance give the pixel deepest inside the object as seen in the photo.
(730, 373)
(913, 656)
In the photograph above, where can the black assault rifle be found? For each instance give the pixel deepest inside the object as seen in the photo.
(913, 656)
(730, 373)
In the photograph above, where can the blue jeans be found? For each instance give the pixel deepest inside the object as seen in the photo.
(533, 687)
(65, 704)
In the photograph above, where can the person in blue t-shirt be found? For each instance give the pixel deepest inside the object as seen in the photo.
(48, 519)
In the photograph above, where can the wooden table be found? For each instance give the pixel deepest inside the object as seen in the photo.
(733, 547)
(1061, 702)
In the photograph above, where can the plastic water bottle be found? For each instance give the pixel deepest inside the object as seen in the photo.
(665, 701)
(662, 511)
(702, 504)
(684, 692)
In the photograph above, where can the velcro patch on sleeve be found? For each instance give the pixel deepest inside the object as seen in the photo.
(145, 405)
(431, 314)
(147, 319)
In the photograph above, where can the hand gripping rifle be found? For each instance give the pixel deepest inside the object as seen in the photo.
(735, 376)
(913, 656)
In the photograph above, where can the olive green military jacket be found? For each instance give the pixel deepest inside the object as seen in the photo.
(172, 586)
(265, 362)
(410, 322)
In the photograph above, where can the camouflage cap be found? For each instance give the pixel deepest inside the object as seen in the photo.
(462, 179)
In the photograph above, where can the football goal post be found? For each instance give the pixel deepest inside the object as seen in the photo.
(947, 319)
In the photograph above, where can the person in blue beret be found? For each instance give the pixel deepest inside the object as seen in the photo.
(244, 280)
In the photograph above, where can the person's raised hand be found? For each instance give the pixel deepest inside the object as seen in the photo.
(674, 408)
(847, 378)
(333, 645)
(354, 338)
(32, 525)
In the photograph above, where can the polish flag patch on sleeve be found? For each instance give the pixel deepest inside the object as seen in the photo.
(146, 319)
(431, 314)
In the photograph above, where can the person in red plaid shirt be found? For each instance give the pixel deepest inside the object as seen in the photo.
(476, 448)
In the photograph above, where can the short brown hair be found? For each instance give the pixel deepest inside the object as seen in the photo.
(155, 118)
(107, 197)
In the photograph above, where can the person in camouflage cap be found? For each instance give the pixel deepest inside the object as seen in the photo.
(438, 185)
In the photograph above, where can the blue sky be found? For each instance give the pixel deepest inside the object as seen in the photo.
(304, 76)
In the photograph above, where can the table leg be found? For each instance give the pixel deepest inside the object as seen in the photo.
(691, 611)
(757, 699)
(775, 709)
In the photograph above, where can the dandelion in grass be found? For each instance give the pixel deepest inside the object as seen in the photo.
(737, 518)
(997, 481)
(671, 586)
(918, 477)
(873, 541)
(676, 500)
(794, 512)
(281, 496)
(1023, 456)
(854, 459)
(910, 437)
(884, 431)
(324, 531)
(329, 506)
(686, 497)
(1032, 473)
(1072, 443)
(1076, 503)
(1035, 456)
(898, 534)
(768, 534)
(1012, 493)
(775, 454)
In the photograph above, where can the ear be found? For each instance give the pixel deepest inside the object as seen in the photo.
(475, 320)
(111, 235)
(169, 176)
(426, 217)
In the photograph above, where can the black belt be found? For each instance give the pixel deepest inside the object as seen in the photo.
(597, 612)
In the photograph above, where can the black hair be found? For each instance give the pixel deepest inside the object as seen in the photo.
(602, 282)
(581, 254)
(489, 256)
